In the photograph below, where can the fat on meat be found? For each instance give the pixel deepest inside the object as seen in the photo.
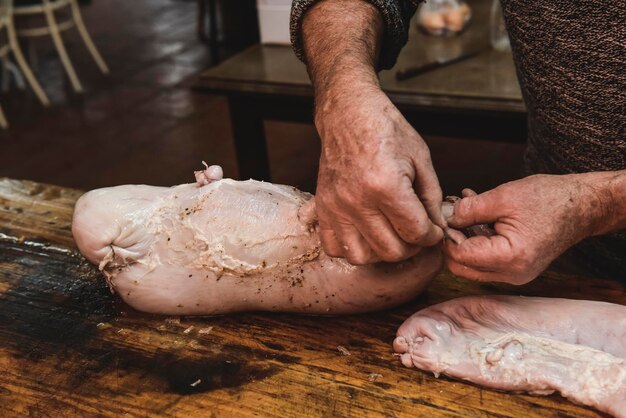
(220, 245)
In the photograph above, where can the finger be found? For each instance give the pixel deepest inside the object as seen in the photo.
(468, 193)
(453, 235)
(383, 239)
(428, 190)
(307, 212)
(330, 243)
(479, 209)
(355, 248)
(481, 252)
(412, 224)
(479, 229)
(466, 272)
(329, 239)
(447, 208)
(409, 219)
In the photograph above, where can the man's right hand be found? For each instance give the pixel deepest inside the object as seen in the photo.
(378, 197)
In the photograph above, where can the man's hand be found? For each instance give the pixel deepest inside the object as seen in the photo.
(536, 219)
(378, 197)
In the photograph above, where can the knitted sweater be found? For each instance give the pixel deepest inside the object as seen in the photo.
(571, 65)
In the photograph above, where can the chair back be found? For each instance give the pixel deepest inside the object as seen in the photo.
(5, 11)
(5, 7)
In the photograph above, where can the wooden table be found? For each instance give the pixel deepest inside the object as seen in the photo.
(477, 98)
(68, 347)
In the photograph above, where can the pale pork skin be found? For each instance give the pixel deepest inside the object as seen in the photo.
(222, 246)
(535, 345)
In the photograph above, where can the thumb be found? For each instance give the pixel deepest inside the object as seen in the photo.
(478, 209)
(307, 213)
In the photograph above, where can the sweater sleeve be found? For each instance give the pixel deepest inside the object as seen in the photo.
(396, 15)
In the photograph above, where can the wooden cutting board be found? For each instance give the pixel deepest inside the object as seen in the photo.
(68, 347)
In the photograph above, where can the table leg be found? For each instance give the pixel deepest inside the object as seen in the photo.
(249, 136)
(201, 24)
(214, 42)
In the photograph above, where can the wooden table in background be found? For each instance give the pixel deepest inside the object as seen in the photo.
(68, 347)
(477, 98)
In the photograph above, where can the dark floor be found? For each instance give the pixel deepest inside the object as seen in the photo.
(143, 124)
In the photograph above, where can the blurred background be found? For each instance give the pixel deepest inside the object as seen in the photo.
(173, 72)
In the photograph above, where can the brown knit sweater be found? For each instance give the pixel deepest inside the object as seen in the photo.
(571, 65)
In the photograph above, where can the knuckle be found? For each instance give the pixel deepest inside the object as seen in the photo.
(432, 196)
(415, 232)
(357, 259)
(378, 184)
(464, 206)
(420, 234)
(344, 197)
(356, 253)
(420, 230)
(425, 156)
(393, 254)
(332, 252)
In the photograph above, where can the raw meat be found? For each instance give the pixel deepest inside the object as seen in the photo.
(222, 246)
(536, 345)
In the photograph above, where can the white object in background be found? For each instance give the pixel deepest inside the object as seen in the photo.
(443, 17)
(274, 21)
(497, 30)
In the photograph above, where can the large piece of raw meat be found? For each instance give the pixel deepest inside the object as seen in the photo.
(535, 345)
(221, 245)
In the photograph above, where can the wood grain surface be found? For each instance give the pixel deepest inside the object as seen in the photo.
(68, 347)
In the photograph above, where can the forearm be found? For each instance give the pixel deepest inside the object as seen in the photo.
(606, 193)
(341, 41)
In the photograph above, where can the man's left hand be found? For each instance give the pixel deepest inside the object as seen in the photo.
(535, 219)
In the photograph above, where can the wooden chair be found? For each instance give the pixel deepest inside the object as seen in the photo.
(11, 46)
(54, 29)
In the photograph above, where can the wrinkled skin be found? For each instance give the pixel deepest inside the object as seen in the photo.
(222, 246)
(536, 345)
(378, 197)
(535, 219)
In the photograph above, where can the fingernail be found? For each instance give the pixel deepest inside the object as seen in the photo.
(447, 210)
(447, 235)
